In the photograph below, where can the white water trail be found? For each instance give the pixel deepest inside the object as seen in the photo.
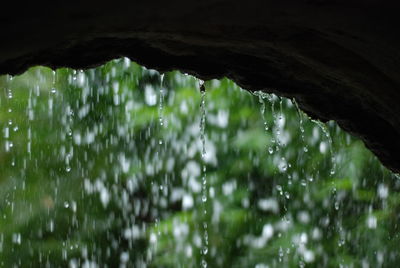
(329, 138)
(261, 99)
(305, 148)
(204, 187)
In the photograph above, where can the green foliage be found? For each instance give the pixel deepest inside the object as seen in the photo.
(104, 167)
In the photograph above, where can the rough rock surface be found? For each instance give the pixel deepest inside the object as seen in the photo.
(340, 59)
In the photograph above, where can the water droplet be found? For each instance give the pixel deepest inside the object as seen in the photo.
(283, 166)
(16, 238)
(337, 205)
(6, 132)
(280, 254)
(51, 226)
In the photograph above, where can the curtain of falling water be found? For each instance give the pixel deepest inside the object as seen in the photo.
(107, 168)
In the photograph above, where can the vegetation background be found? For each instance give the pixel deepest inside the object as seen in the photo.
(104, 168)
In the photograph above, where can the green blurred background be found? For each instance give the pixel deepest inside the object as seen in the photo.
(104, 168)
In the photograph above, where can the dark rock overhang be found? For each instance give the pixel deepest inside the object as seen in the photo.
(339, 59)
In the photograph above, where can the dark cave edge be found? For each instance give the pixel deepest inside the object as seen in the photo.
(340, 60)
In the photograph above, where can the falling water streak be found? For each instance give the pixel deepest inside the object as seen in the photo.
(52, 92)
(280, 117)
(203, 121)
(204, 250)
(280, 106)
(274, 120)
(261, 96)
(276, 139)
(6, 130)
(161, 102)
(262, 108)
(328, 137)
(300, 113)
(159, 151)
(29, 111)
(326, 132)
(8, 140)
(69, 125)
(283, 164)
